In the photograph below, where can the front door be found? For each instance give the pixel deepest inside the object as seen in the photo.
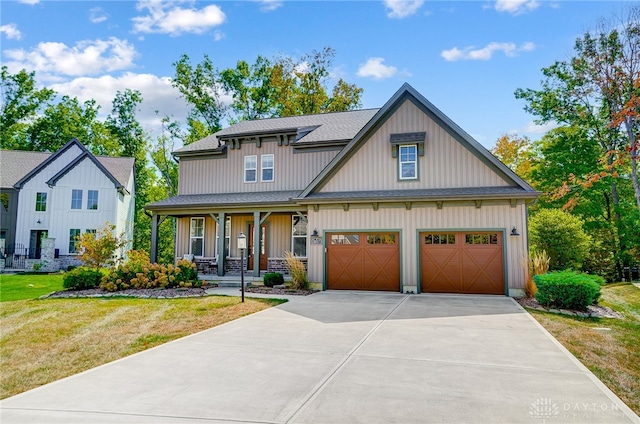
(263, 247)
(35, 243)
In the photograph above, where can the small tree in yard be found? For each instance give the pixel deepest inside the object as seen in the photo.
(561, 236)
(99, 249)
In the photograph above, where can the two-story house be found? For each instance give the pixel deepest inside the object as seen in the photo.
(397, 199)
(61, 195)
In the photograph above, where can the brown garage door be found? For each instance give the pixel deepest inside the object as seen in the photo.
(469, 262)
(363, 261)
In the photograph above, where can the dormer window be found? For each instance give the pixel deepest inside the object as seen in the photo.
(408, 162)
(406, 147)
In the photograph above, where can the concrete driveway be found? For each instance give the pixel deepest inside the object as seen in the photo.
(342, 357)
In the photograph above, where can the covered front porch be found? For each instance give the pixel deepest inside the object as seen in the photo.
(207, 234)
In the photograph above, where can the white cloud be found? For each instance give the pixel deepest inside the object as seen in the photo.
(88, 57)
(402, 8)
(157, 93)
(10, 31)
(97, 15)
(30, 2)
(167, 17)
(486, 53)
(533, 128)
(516, 7)
(269, 5)
(376, 69)
(218, 35)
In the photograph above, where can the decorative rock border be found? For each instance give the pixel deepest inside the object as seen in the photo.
(593, 311)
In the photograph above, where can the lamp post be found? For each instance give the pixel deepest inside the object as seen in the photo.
(242, 245)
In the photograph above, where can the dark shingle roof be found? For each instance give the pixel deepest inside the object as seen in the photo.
(225, 199)
(330, 127)
(15, 164)
(121, 167)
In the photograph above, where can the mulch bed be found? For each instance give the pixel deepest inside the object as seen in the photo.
(593, 311)
(168, 293)
(279, 291)
(139, 293)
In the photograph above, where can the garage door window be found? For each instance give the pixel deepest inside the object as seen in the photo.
(440, 239)
(481, 238)
(381, 239)
(351, 239)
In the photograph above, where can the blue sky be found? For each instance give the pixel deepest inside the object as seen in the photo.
(467, 57)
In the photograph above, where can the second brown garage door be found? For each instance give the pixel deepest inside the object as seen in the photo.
(363, 261)
(469, 262)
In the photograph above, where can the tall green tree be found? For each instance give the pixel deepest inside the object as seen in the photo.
(284, 86)
(22, 101)
(597, 90)
(518, 153)
(254, 94)
(201, 87)
(67, 119)
(123, 124)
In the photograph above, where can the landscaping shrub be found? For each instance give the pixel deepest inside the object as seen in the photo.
(82, 278)
(273, 279)
(567, 289)
(139, 273)
(562, 236)
(297, 270)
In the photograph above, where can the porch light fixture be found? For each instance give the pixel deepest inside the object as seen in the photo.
(242, 245)
(514, 232)
(315, 233)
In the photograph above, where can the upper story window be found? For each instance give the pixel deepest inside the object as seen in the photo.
(41, 202)
(92, 200)
(76, 199)
(266, 165)
(299, 235)
(197, 237)
(408, 162)
(250, 169)
(406, 147)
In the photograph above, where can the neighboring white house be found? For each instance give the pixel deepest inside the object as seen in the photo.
(68, 193)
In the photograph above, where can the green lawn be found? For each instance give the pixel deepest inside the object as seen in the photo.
(45, 340)
(28, 286)
(612, 354)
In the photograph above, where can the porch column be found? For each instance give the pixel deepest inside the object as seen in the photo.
(221, 221)
(153, 253)
(256, 243)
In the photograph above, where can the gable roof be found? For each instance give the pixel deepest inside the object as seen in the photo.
(407, 92)
(334, 126)
(15, 164)
(117, 169)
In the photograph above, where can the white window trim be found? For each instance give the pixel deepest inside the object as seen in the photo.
(80, 199)
(401, 162)
(78, 232)
(97, 200)
(244, 176)
(306, 236)
(192, 237)
(263, 167)
(46, 200)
